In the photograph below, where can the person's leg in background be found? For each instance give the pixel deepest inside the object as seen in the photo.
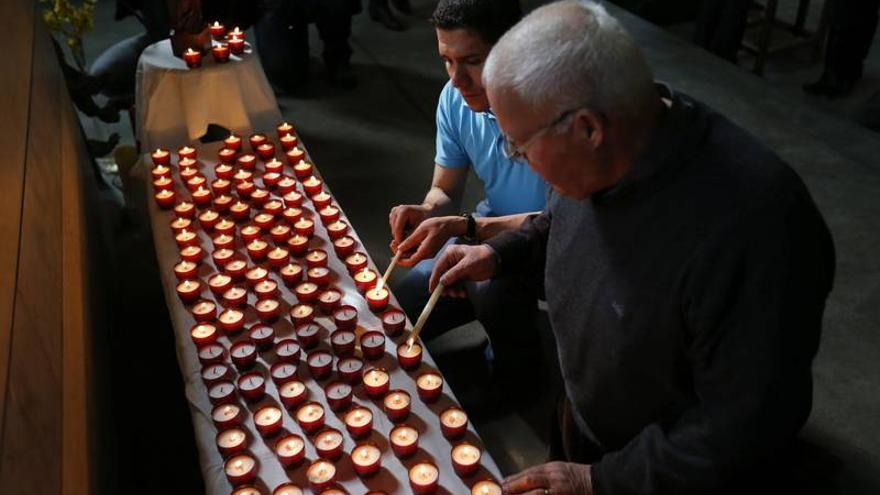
(282, 38)
(333, 20)
(721, 25)
(853, 25)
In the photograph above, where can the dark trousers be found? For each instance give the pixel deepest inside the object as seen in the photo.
(282, 34)
(853, 24)
(721, 25)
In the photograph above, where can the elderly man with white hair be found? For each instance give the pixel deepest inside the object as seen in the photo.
(685, 267)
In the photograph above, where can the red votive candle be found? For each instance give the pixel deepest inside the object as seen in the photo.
(320, 364)
(222, 257)
(160, 171)
(321, 475)
(262, 335)
(343, 342)
(163, 183)
(343, 246)
(319, 275)
(226, 155)
(187, 151)
(292, 214)
(197, 182)
(338, 229)
(322, 199)
(250, 232)
(430, 386)
(240, 210)
(266, 289)
(306, 292)
(312, 185)
(278, 256)
(294, 156)
(338, 396)
(409, 357)
(235, 268)
(365, 279)
(201, 197)
(350, 369)
(292, 393)
(234, 297)
(310, 417)
(328, 443)
(284, 128)
(465, 459)
(302, 314)
(215, 372)
(236, 45)
(186, 270)
(373, 345)
(217, 30)
(222, 392)
(356, 262)
(423, 478)
(221, 202)
(287, 351)
(397, 405)
(453, 422)
(376, 382)
(298, 244)
(241, 468)
(304, 227)
(203, 334)
(161, 156)
(231, 440)
(186, 238)
(189, 290)
(288, 489)
(286, 184)
(366, 459)
(208, 219)
(185, 209)
(359, 422)
(247, 161)
(404, 440)
(265, 150)
(257, 249)
(221, 186)
(165, 198)
(330, 299)
(291, 273)
(288, 141)
(273, 206)
(316, 257)
(291, 450)
(274, 165)
(231, 320)
(345, 317)
(264, 220)
(308, 335)
(486, 487)
(268, 420)
(256, 140)
(220, 52)
(252, 386)
(193, 58)
(204, 311)
(282, 372)
(292, 199)
(188, 167)
(267, 309)
(377, 298)
(226, 416)
(244, 355)
(192, 253)
(224, 171)
(280, 233)
(256, 275)
(329, 214)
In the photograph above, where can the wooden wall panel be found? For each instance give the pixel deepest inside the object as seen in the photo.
(15, 67)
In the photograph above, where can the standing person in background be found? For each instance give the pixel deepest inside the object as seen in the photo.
(721, 25)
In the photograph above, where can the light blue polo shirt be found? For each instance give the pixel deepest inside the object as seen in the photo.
(465, 137)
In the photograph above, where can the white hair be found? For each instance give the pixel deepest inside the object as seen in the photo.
(571, 53)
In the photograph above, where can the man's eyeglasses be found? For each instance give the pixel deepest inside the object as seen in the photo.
(513, 151)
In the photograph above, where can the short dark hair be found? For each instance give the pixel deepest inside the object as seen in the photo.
(490, 19)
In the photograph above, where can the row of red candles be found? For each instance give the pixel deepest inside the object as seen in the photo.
(231, 42)
(484, 486)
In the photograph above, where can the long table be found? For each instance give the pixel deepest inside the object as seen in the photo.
(393, 478)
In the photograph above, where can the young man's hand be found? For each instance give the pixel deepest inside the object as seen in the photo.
(403, 217)
(427, 239)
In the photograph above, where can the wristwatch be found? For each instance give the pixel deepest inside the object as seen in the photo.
(470, 232)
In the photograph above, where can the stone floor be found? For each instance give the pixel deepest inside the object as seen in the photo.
(375, 146)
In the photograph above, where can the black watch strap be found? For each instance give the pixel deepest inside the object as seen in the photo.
(471, 230)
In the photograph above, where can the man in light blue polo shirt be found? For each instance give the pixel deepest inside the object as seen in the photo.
(468, 136)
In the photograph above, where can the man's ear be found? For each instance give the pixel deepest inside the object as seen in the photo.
(590, 124)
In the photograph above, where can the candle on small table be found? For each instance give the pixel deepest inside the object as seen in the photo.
(282, 372)
(301, 314)
(291, 273)
(409, 356)
(290, 450)
(453, 422)
(330, 299)
(376, 382)
(236, 45)
(356, 262)
(220, 52)
(366, 459)
(359, 422)
(252, 386)
(345, 317)
(465, 459)
(307, 335)
(310, 417)
(321, 475)
(222, 392)
(343, 340)
(373, 344)
(288, 351)
(350, 369)
(165, 198)
(268, 420)
(203, 334)
(215, 372)
(234, 296)
(404, 440)
(226, 416)
(292, 393)
(423, 478)
(304, 227)
(193, 58)
(217, 30)
(241, 468)
(430, 386)
(338, 396)
(377, 298)
(397, 405)
(204, 311)
(231, 440)
(322, 199)
(244, 355)
(320, 364)
(192, 253)
(328, 443)
(208, 219)
(231, 320)
(189, 290)
(267, 309)
(306, 292)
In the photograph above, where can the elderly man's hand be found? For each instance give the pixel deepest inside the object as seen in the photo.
(553, 478)
(429, 237)
(460, 263)
(403, 217)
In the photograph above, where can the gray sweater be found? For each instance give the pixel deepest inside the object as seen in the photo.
(687, 303)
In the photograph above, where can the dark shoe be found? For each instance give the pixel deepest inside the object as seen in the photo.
(402, 6)
(341, 75)
(380, 13)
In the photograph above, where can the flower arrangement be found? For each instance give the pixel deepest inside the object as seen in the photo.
(71, 22)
